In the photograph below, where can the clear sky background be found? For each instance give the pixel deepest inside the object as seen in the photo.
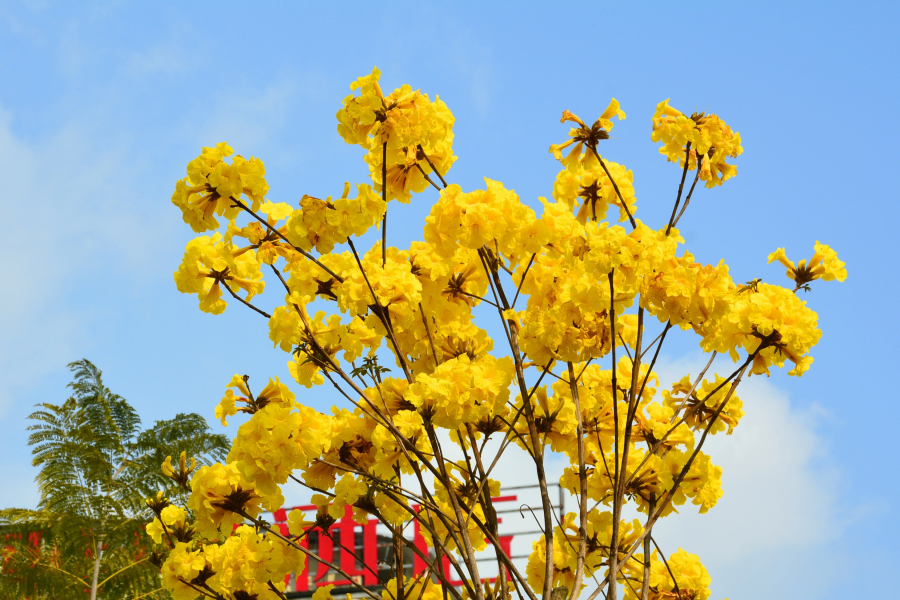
(102, 105)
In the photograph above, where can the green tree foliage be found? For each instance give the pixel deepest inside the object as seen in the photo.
(97, 467)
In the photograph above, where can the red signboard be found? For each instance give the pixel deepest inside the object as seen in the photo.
(364, 542)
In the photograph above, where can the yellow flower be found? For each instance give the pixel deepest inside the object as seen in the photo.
(155, 530)
(209, 264)
(184, 563)
(323, 593)
(213, 186)
(275, 392)
(771, 323)
(555, 418)
(358, 116)
(218, 492)
(298, 523)
(823, 265)
(280, 438)
(690, 576)
(589, 184)
(247, 561)
(702, 483)
(182, 475)
(171, 518)
(461, 390)
(417, 131)
(348, 490)
(703, 403)
(321, 224)
(494, 217)
(712, 141)
(583, 135)
(689, 294)
(267, 241)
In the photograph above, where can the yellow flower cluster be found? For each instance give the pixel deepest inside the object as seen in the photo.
(649, 474)
(682, 575)
(704, 402)
(494, 217)
(689, 294)
(172, 517)
(772, 324)
(588, 184)
(321, 224)
(185, 566)
(599, 533)
(462, 391)
(275, 442)
(209, 264)
(824, 265)
(275, 392)
(420, 587)
(567, 316)
(582, 137)
(414, 133)
(213, 186)
(712, 141)
(245, 562)
(219, 494)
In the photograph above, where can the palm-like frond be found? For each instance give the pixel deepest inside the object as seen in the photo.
(96, 469)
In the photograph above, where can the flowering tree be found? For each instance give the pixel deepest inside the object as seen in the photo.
(577, 299)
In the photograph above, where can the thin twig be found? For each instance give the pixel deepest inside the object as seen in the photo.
(584, 368)
(430, 164)
(653, 362)
(582, 483)
(687, 162)
(437, 361)
(494, 304)
(522, 281)
(614, 540)
(355, 555)
(691, 192)
(384, 185)
(665, 562)
(633, 400)
(239, 299)
(427, 178)
(649, 346)
(276, 590)
(645, 580)
(693, 387)
(619, 194)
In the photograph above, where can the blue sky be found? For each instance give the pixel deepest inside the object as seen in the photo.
(103, 103)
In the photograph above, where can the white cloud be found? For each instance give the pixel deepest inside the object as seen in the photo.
(771, 529)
